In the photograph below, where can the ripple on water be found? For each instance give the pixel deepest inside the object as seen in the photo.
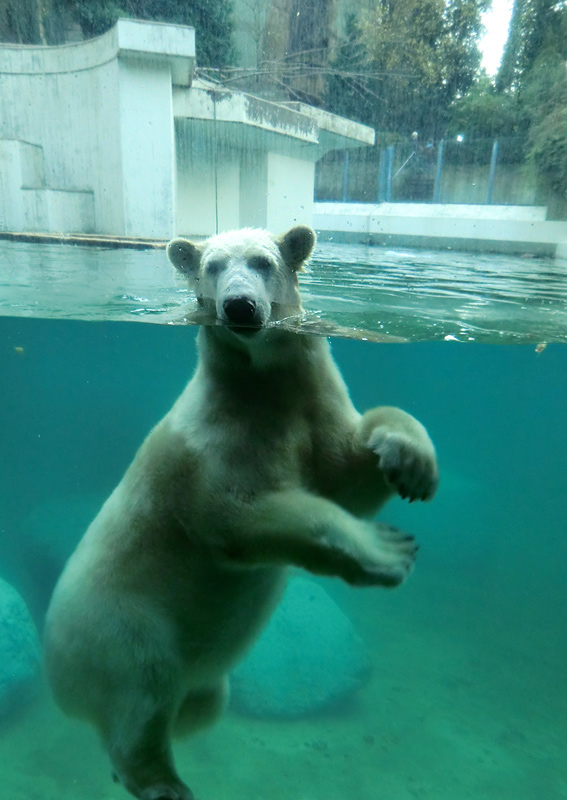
(350, 291)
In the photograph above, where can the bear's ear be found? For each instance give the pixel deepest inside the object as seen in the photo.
(185, 256)
(296, 245)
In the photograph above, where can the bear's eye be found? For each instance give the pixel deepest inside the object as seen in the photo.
(260, 263)
(215, 266)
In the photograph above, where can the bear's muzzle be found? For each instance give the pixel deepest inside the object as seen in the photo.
(241, 311)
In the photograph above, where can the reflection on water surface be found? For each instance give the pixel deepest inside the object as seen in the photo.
(350, 291)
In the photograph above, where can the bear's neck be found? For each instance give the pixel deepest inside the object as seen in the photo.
(225, 354)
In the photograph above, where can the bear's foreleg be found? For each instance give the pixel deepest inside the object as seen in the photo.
(405, 453)
(299, 528)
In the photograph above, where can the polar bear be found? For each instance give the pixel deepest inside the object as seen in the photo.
(263, 462)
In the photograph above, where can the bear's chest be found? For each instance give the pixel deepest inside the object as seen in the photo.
(252, 451)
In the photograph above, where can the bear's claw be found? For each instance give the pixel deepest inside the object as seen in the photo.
(393, 558)
(409, 466)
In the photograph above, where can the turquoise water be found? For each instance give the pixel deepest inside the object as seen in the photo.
(468, 696)
(352, 291)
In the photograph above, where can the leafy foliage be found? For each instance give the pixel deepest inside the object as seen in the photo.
(484, 113)
(411, 58)
(212, 21)
(33, 22)
(529, 100)
(549, 149)
(536, 27)
(18, 22)
(544, 104)
(349, 87)
(95, 18)
(534, 70)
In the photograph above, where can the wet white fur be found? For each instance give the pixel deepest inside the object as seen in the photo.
(261, 463)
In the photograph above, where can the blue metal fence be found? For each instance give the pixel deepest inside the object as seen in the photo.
(449, 171)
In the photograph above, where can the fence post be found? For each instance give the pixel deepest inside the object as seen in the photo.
(438, 171)
(493, 163)
(385, 170)
(345, 176)
(389, 172)
(382, 176)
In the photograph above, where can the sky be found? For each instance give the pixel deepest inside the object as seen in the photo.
(496, 22)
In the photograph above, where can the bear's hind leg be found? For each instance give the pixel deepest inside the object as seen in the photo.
(142, 759)
(201, 708)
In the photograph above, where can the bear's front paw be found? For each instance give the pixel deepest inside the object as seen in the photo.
(392, 560)
(409, 466)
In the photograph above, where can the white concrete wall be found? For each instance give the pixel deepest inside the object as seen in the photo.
(17, 163)
(195, 206)
(127, 144)
(147, 148)
(76, 136)
(203, 196)
(102, 113)
(253, 197)
(57, 210)
(26, 204)
(290, 192)
(266, 190)
(474, 227)
(228, 186)
(265, 156)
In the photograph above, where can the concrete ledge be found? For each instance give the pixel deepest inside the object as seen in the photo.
(337, 127)
(536, 249)
(221, 106)
(503, 229)
(457, 211)
(92, 240)
(128, 37)
(309, 125)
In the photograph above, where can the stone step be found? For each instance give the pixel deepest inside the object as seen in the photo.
(23, 162)
(65, 210)
(26, 203)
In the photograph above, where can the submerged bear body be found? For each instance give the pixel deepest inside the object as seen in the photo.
(263, 462)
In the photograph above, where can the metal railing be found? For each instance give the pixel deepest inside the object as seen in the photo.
(482, 171)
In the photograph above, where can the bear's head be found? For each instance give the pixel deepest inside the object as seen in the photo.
(245, 278)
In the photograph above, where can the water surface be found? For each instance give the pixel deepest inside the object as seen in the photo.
(351, 291)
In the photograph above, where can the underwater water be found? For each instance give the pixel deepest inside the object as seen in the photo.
(468, 693)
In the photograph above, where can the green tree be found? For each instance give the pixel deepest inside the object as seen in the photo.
(33, 21)
(44, 21)
(536, 27)
(533, 70)
(544, 107)
(483, 112)
(350, 84)
(297, 42)
(211, 19)
(409, 60)
(94, 18)
(18, 22)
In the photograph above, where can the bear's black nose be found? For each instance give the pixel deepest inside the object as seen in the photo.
(240, 310)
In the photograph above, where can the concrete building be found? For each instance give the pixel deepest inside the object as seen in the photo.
(117, 136)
